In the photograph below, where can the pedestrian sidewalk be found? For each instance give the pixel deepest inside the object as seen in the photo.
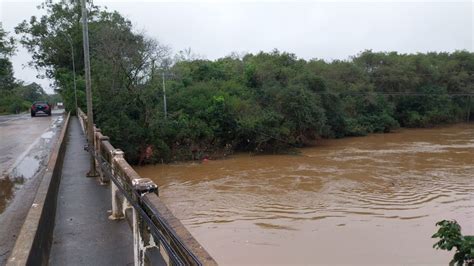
(83, 234)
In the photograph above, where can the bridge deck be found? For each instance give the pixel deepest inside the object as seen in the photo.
(83, 234)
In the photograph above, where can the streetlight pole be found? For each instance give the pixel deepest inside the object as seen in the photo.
(73, 69)
(87, 68)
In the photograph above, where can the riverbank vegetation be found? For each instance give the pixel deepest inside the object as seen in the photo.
(264, 102)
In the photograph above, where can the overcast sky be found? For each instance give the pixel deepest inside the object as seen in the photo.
(310, 29)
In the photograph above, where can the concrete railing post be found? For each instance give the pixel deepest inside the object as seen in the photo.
(85, 126)
(96, 152)
(117, 211)
(142, 238)
(98, 138)
(93, 151)
(84, 123)
(138, 243)
(102, 178)
(80, 120)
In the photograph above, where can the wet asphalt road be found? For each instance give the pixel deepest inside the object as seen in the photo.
(25, 145)
(19, 134)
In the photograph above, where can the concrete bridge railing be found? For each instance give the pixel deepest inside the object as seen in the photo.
(155, 228)
(33, 244)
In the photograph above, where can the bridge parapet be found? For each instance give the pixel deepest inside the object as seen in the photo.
(155, 228)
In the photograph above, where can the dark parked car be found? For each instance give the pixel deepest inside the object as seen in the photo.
(44, 107)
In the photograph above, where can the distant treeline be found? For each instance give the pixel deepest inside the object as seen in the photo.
(265, 102)
(271, 101)
(15, 95)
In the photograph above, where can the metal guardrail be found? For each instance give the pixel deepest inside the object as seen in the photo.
(154, 226)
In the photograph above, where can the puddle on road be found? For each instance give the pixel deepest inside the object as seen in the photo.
(28, 166)
(26, 169)
(47, 135)
(6, 193)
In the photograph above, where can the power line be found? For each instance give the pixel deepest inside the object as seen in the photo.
(395, 94)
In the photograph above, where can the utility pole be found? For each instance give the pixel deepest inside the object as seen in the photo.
(87, 68)
(164, 95)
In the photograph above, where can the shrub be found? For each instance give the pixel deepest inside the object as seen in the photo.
(451, 237)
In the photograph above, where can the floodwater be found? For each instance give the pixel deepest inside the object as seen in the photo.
(367, 200)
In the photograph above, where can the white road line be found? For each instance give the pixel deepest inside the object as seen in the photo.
(13, 119)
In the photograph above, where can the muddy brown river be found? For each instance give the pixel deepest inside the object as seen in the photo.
(367, 200)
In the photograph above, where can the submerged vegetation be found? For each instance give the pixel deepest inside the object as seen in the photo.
(263, 102)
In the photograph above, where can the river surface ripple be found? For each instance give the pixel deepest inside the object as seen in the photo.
(368, 200)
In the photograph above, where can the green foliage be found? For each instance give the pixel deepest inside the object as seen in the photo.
(265, 102)
(54, 41)
(9, 102)
(12, 104)
(424, 111)
(20, 98)
(7, 47)
(451, 237)
(31, 93)
(15, 97)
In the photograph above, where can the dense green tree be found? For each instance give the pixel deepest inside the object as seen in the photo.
(54, 40)
(122, 63)
(7, 47)
(264, 102)
(32, 92)
(15, 97)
